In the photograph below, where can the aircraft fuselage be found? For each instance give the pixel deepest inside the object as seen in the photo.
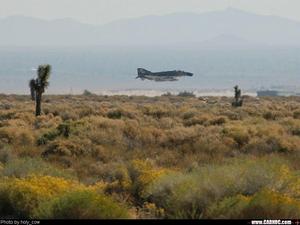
(161, 76)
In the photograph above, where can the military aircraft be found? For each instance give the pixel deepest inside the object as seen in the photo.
(161, 76)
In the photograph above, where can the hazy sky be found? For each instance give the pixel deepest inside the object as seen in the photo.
(103, 11)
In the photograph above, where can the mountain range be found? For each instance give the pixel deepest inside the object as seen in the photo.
(227, 28)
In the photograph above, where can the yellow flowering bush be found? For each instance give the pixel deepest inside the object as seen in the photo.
(143, 174)
(24, 195)
(81, 204)
(51, 197)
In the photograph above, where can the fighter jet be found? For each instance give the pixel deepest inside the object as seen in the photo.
(161, 76)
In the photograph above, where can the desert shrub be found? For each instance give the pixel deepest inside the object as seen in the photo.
(228, 208)
(1, 168)
(82, 204)
(271, 115)
(6, 154)
(16, 135)
(119, 180)
(96, 122)
(296, 114)
(272, 137)
(283, 144)
(296, 131)
(46, 110)
(85, 112)
(47, 121)
(25, 138)
(189, 114)
(289, 144)
(269, 129)
(157, 111)
(17, 122)
(174, 193)
(22, 196)
(238, 133)
(102, 154)
(67, 115)
(167, 123)
(104, 131)
(292, 126)
(7, 115)
(180, 136)
(25, 167)
(188, 195)
(61, 148)
(186, 94)
(270, 204)
(198, 120)
(64, 129)
(264, 204)
(61, 112)
(151, 136)
(218, 121)
(150, 211)
(69, 147)
(212, 145)
(5, 105)
(114, 114)
(49, 136)
(259, 146)
(233, 115)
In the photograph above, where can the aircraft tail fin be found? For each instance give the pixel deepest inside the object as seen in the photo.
(142, 72)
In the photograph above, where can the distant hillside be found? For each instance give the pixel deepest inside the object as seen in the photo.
(225, 41)
(172, 29)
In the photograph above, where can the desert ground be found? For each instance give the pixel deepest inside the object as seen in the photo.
(91, 157)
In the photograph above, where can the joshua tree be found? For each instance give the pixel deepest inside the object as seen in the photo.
(32, 90)
(238, 99)
(38, 86)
